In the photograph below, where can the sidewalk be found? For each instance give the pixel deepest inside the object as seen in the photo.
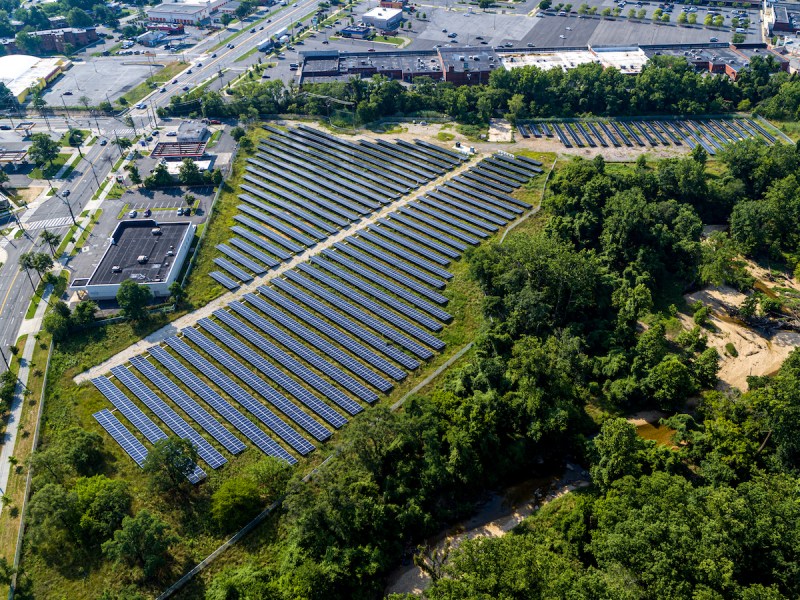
(31, 327)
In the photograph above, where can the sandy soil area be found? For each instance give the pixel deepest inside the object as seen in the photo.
(496, 518)
(757, 354)
(500, 131)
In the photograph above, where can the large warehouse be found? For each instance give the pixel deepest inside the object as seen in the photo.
(185, 13)
(21, 73)
(144, 250)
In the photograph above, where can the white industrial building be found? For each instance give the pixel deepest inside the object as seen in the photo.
(386, 19)
(148, 252)
(185, 13)
(22, 73)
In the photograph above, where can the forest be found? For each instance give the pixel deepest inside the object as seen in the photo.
(666, 85)
(580, 327)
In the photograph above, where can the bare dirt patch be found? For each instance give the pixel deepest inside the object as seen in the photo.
(756, 354)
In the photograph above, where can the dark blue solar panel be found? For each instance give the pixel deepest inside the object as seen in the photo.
(233, 270)
(254, 252)
(427, 252)
(359, 315)
(261, 440)
(397, 263)
(340, 338)
(397, 290)
(275, 224)
(300, 224)
(224, 280)
(241, 259)
(308, 376)
(129, 410)
(374, 292)
(269, 233)
(309, 356)
(391, 317)
(272, 396)
(448, 247)
(391, 273)
(175, 422)
(188, 405)
(133, 447)
(404, 254)
(321, 344)
(260, 242)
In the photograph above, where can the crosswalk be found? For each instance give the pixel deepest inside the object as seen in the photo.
(49, 224)
(120, 131)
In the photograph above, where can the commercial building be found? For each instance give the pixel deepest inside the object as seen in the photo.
(461, 66)
(52, 41)
(184, 13)
(21, 73)
(782, 18)
(357, 32)
(385, 19)
(191, 132)
(144, 250)
(151, 38)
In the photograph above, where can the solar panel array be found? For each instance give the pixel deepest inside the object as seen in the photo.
(713, 134)
(323, 341)
(304, 185)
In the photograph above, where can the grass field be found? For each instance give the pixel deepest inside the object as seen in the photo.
(64, 141)
(53, 168)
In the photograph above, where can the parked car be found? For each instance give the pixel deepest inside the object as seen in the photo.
(179, 212)
(172, 133)
(133, 214)
(146, 213)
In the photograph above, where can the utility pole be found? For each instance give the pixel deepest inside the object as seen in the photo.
(69, 206)
(64, 102)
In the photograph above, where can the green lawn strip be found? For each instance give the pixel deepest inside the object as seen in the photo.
(51, 169)
(123, 211)
(15, 490)
(212, 141)
(66, 240)
(86, 232)
(118, 164)
(247, 54)
(148, 85)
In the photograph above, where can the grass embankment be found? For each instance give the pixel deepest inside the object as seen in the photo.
(9, 519)
(87, 231)
(53, 168)
(169, 71)
(200, 288)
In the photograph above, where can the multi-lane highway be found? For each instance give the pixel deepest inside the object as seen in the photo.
(226, 58)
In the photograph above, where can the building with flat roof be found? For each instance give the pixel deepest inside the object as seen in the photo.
(185, 13)
(21, 73)
(191, 132)
(386, 19)
(144, 250)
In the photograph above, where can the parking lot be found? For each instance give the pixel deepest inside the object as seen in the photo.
(99, 79)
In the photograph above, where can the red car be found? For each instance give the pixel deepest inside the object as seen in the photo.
(215, 122)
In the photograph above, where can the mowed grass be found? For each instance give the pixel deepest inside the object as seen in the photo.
(52, 169)
(10, 518)
(200, 288)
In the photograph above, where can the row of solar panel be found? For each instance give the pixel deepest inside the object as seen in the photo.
(367, 305)
(306, 185)
(711, 134)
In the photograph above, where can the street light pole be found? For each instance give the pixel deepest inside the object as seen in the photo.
(64, 102)
(69, 206)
